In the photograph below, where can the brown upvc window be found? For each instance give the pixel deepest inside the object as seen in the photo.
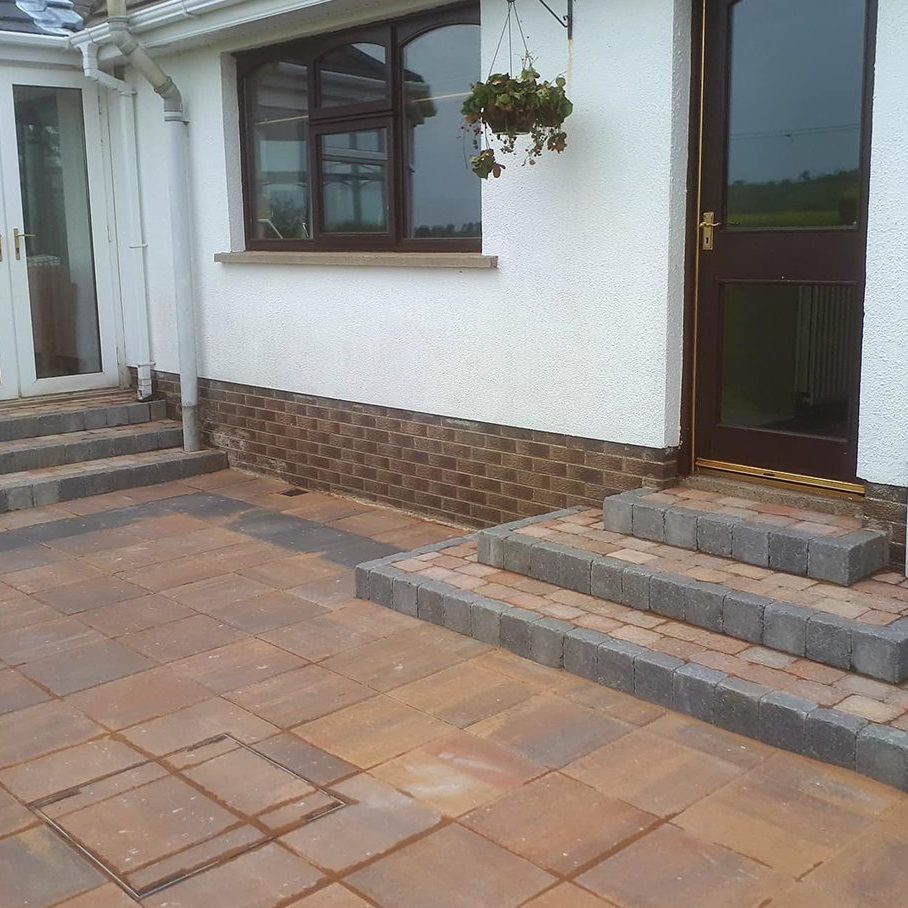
(354, 140)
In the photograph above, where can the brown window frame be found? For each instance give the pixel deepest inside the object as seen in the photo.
(394, 35)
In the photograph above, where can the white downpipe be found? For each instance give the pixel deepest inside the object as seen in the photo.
(175, 125)
(137, 283)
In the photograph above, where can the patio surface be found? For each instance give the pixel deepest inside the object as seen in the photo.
(189, 692)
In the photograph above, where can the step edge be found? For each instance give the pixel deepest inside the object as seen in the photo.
(821, 558)
(76, 447)
(757, 711)
(39, 425)
(882, 651)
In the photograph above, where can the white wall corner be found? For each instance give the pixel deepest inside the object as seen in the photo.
(883, 434)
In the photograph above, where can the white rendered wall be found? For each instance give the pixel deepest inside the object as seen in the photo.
(883, 449)
(579, 329)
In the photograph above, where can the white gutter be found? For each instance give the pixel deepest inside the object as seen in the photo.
(136, 315)
(180, 225)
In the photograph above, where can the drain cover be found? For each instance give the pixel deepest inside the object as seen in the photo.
(155, 824)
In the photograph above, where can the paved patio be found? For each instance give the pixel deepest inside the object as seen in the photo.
(190, 694)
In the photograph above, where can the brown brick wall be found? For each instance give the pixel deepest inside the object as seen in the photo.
(885, 509)
(473, 473)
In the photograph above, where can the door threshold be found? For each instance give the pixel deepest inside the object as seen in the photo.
(780, 478)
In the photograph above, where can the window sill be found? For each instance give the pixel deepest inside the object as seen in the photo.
(460, 260)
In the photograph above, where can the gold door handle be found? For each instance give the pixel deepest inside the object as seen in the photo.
(708, 226)
(18, 236)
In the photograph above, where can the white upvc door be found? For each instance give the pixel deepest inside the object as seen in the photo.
(56, 278)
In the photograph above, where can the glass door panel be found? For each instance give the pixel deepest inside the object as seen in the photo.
(55, 230)
(57, 241)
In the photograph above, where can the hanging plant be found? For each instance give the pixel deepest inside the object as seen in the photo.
(509, 107)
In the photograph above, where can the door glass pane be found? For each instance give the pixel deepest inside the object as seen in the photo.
(277, 105)
(352, 74)
(788, 353)
(444, 194)
(58, 253)
(354, 181)
(795, 113)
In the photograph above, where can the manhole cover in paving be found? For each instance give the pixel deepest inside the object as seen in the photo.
(155, 824)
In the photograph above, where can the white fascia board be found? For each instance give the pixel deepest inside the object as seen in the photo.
(24, 48)
(188, 22)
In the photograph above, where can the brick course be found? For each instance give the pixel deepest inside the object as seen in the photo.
(478, 474)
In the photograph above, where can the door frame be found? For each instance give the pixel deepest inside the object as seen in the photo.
(688, 461)
(11, 215)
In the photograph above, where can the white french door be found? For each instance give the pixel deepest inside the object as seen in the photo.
(57, 326)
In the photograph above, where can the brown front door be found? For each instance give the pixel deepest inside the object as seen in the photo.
(784, 166)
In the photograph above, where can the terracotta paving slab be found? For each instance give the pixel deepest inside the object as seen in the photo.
(476, 779)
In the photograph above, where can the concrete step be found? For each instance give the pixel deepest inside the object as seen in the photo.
(807, 543)
(791, 702)
(29, 419)
(34, 488)
(863, 628)
(90, 444)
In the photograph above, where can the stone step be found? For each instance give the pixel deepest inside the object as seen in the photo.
(34, 488)
(90, 444)
(27, 419)
(791, 702)
(863, 628)
(805, 543)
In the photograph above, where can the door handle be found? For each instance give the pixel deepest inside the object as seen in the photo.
(18, 236)
(708, 226)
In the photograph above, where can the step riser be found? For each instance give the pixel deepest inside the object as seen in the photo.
(880, 652)
(843, 560)
(776, 718)
(80, 420)
(55, 455)
(112, 479)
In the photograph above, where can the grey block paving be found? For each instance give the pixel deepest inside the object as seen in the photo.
(430, 602)
(703, 605)
(750, 544)
(714, 535)
(654, 677)
(486, 618)
(404, 596)
(695, 690)
(846, 559)
(616, 664)
(681, 528)
(788, 551)
(581, 652)
(783, 720)
(843, 560)
(742, 615)
(785, 628)
(635, 586)
(832, 736)
(829, 640)
(605, 578)
(667, 595)
(515, 630)
(737, 706)
(648, 522)
(882, 754)
(458, 611)
(547, 641)
(881, 652)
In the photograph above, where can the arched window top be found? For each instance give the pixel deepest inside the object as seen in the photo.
(355, 140)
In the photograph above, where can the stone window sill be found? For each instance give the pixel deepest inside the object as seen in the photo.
(460, 260)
